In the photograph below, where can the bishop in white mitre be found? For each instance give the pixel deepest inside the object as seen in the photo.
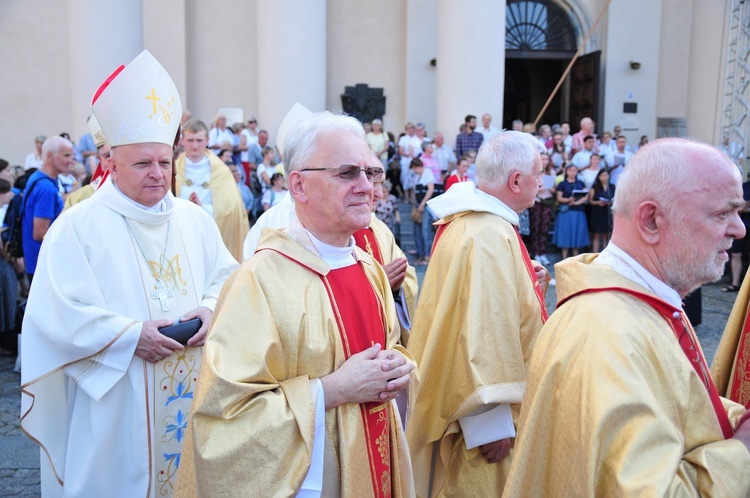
(105, 394)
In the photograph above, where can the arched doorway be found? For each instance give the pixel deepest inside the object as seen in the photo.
(541, 37)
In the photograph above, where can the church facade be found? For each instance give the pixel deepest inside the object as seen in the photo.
(653, 67)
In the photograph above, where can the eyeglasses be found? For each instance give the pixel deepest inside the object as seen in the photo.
(350, 172)
(251, 122)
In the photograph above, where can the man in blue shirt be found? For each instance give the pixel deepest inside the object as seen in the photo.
(43, 202)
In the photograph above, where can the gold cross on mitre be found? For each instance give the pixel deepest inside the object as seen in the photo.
(153, 98)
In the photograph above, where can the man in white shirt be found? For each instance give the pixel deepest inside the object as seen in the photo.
(583, 158)
(487, 130)
(221, 137)
(444, 154)
(617, 159)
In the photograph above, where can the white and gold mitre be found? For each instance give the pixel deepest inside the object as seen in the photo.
(96, 131)
(296, 114)
(138, 103)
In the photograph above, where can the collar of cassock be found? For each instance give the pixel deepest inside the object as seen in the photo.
(465, 196)
(110, 196)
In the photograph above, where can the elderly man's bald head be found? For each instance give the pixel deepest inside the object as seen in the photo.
(663, 171)
(677, 211)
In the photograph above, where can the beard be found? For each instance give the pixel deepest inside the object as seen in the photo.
(688, 270)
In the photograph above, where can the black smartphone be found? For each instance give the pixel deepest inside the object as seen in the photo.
(183, 331)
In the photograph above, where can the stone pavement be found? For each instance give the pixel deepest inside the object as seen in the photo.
(19, 456)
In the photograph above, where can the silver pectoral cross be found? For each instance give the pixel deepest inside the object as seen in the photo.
(162, 294)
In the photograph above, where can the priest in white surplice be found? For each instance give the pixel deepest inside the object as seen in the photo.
(105, 395)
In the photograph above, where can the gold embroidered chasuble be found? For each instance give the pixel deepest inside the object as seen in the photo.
(253, 416)
(613, 407)
(390, 251)
(731, 366)
(229, 210)
(477, 320)
(79, 195)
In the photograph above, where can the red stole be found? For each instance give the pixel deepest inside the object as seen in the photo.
(526, 262)
(739, 390)
(532, 275)
(685, 335)
(361, 321)
(365, 240)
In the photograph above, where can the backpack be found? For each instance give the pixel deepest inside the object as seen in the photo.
(13, 237)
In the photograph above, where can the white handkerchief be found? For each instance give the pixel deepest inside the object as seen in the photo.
(487, 426)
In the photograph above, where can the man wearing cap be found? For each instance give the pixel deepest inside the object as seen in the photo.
(302, 404)
(204, 179)
(105, 394)
(101, 172)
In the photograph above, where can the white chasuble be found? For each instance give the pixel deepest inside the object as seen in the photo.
(109, 423)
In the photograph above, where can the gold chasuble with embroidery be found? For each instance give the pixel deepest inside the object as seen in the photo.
(378, 241)
(284, 319)
(109, 423)
(731, 366)
(79, 195)
(229, 210)
(613, 405)
(477, 320)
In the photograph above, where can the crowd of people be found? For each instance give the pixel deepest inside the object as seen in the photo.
(155, 363)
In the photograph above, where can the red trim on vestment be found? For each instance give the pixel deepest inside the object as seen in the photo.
(438, 234)
(685, 335)
(739, 391)
(360, 317)
(532, 274)
(365, 240)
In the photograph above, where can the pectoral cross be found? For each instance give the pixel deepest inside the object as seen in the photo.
(162, 294)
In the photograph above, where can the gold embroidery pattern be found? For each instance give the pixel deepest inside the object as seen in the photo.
(171, 271)
(167, 477)
(384, 449)
(368, 246)
(190, 183)
(160, 111)
(741, 369)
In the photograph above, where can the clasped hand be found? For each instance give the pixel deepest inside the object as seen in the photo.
(374, 375)
(154, 346)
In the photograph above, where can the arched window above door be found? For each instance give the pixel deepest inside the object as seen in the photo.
(538, 25)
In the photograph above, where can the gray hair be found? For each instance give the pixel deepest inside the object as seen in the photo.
(302, 139)
(504, 154)
(656, 172)
(53, 145)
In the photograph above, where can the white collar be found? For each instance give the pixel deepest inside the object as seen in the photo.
(625, 265)
(110, 196)
(465, 196)
(201, 163)
(334, 256)
(160, 207)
